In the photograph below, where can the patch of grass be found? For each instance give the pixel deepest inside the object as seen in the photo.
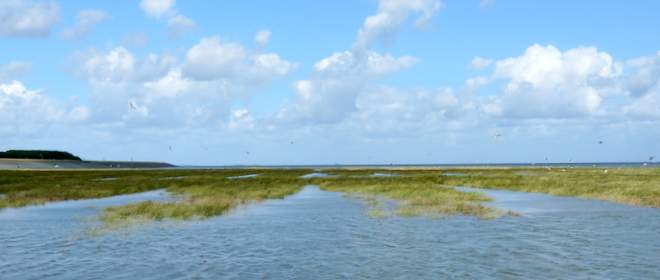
(415, 192)
(203, 201)
(633, 186)
(416, 195)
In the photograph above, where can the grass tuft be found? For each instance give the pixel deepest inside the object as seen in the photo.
(413, 192)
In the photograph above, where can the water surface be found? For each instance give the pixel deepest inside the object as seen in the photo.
(323, 235)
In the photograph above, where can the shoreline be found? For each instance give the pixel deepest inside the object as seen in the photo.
(44, 164)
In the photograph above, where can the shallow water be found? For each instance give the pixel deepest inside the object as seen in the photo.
(315, 175)
(454, 174)
(323, 235)
(249, 176)
(381, 174)
(106, 179)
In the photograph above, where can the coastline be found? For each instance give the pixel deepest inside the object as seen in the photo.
(38, 164)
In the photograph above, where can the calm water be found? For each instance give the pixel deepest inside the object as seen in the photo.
(321, 235)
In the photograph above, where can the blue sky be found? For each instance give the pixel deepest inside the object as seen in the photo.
(361, 81)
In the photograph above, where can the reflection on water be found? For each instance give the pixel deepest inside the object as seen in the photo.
(249, 176)
(106, 179)
(381, 174)
(454, 174)
(322, 235)
(315, 175)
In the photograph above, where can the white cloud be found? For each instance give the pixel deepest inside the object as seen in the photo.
(372, 65)
(157, 8)
(391, 14)
(475, 83)
(119, 65)
(240, 119)
(179, 25)
(643, 86)
(157, 90)
(24, 109)
(262, 38)
(646, 74)
(212, 59)
(547, 83)
(479, 63)
(336, 83)
(330, 94)
(646, 106)
(86, 21)
(27, 18)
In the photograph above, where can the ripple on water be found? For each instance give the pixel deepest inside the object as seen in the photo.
(323, 235)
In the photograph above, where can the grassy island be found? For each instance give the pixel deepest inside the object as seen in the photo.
(415, 192)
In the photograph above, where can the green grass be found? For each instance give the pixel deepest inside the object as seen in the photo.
(632, 186)
(413, 192)
(207, 197)
(416, 194)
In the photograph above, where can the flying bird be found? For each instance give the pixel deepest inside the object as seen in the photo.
(132, 106)
(600, 142)
(651, 158)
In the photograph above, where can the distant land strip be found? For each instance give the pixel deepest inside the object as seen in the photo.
(39, 164)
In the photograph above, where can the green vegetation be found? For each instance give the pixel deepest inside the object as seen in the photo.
(633, 186)
(206, 196)
(410, 192)
(412, 195)
(37, 154)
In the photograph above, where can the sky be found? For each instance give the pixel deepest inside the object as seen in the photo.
(295, 82)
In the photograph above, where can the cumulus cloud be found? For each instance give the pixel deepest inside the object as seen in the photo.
(330, 94)
(262, 38)
(393, 111)
(157, 8)
(336, 82)
(179, 25)
(479, 63)
(160, 90)
(27, 18)
(390, 16)
(645, 76)
(119, 65)
(212, 59)
(24, 109)
(547, 83)
(241, 119)
(86, 21)
(643, 86)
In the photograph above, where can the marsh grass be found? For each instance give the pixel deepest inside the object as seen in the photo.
(415, 192)
(416, 195)
(633, 186)
(202, 201)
